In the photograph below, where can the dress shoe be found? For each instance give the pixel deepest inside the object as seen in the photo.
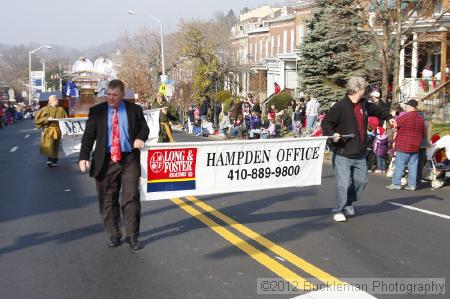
(114, 242)
(134, 243)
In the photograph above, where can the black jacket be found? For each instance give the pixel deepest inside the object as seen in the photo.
(97, 130)
(341, 119)
(204, 108)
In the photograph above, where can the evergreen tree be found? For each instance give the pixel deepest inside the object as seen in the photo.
(334, 48)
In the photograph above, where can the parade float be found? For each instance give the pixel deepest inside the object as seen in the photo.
(86, 85)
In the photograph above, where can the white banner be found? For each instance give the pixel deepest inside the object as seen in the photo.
(152, 118)
(205, 168)
(72, 130)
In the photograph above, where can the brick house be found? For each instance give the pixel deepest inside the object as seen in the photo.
(269, 47)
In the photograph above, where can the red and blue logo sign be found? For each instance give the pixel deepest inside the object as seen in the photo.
(171, 169)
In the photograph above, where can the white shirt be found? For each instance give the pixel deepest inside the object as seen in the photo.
(312, 108)
(427, 74)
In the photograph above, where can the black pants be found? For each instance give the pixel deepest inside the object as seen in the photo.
(422, 160)
(371, 161)
(114, 177)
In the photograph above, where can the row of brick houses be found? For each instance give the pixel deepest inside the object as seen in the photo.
(266, 42)
(268, 46)
(267, 39)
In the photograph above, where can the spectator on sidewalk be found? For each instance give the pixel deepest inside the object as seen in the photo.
(410, 133)
(272, 112)
(255, 125)
(2, 114)
(312, 112)
(380, 149)
(238, 129)
(277, 88)
(297, 122)
(349, 116)
(206, 103)
(422, 159)
(256, 106)
(225, 124)
(191, 118)
(371, 158)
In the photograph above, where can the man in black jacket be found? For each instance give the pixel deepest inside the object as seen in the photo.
(204, 108)
(119, 130)
(349, 116)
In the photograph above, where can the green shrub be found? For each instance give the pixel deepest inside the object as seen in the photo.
(222, 96)
(281, 101)
(441, 129)
(227, 105)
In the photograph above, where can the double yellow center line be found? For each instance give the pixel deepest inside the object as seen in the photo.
(262, 258)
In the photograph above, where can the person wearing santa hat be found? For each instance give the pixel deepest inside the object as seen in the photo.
(380, 149)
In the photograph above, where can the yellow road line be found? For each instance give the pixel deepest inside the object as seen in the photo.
(254, 253)
(280, 251)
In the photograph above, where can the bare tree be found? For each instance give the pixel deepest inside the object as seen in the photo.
(141, 62)
(14, 65)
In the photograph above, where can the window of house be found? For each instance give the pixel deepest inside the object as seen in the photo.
(260, 49)
(272, 44)
(290, 79)
(292, 40)
(437, 7)
(301, 33)
(278, 44)
(285, 41)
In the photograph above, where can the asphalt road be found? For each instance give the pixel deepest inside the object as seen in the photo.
(52, 244)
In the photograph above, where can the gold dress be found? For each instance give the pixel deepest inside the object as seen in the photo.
(51, 134)
(165, 130)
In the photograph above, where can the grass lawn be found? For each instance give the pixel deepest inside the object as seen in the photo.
(441, 129)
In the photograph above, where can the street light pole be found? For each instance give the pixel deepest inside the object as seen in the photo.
(162, 48)
(133, 12)
(30, 85)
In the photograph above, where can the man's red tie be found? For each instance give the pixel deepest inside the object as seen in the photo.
(116, 153)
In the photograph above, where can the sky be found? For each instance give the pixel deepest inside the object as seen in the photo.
(82, 24)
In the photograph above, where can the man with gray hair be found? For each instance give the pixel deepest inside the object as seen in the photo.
(349, 116)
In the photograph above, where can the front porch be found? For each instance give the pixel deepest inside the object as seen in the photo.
(424, 59)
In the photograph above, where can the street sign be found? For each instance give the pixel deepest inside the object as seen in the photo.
(169, 90)
(37, 81)
(163, 89)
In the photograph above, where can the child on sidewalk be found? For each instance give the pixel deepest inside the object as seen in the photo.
(380, 149)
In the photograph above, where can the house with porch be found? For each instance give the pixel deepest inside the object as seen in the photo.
(424, 64)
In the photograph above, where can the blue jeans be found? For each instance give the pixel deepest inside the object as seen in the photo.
(381, 163)
(351, 179)
(310, 123)
(401, 160)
